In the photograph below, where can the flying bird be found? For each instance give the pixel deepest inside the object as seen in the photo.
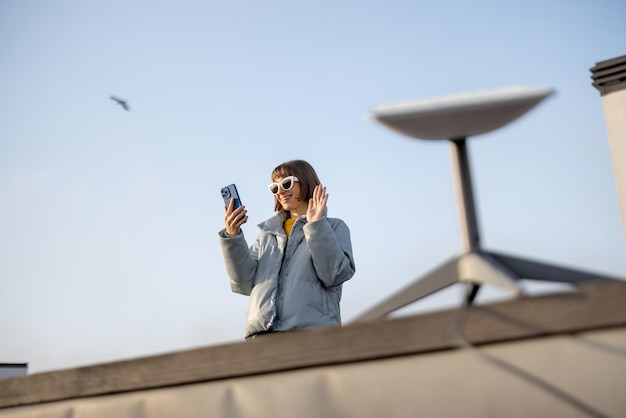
(121, 102)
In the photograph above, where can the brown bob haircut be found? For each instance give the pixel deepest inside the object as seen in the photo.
(306, 175)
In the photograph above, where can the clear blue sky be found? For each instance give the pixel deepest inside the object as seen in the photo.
(109, 219)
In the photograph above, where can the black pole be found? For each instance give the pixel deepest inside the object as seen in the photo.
(465, 195)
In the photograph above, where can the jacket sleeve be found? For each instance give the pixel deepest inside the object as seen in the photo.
(331, 250)
(240, 261)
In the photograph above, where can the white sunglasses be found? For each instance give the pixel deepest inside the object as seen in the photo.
(285, 184)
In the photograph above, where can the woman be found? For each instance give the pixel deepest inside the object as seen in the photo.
(294, 271)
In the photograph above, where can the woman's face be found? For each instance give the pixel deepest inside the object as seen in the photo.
(289, 199)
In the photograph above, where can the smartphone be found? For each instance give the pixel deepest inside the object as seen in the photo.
(230, 192)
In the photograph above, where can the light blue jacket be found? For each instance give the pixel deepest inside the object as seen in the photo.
(293, 283)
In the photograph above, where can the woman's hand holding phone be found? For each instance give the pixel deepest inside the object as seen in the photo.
(235, 218)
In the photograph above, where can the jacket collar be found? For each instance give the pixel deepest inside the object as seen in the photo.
(274, 224)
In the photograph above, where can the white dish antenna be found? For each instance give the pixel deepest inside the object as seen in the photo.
(459, 116)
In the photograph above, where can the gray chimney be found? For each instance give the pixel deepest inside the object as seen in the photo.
(609, 77)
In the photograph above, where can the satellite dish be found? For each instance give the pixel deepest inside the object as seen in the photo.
(456, 118)
(461, 115)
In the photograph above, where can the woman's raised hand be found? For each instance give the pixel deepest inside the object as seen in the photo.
(234, 218)
(317, 204)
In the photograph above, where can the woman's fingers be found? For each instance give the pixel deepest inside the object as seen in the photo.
(321, 190)
(321, 195)
(239, 214)
(235, 218)
(317, 203)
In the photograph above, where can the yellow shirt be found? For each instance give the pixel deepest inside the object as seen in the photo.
(288, 224)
